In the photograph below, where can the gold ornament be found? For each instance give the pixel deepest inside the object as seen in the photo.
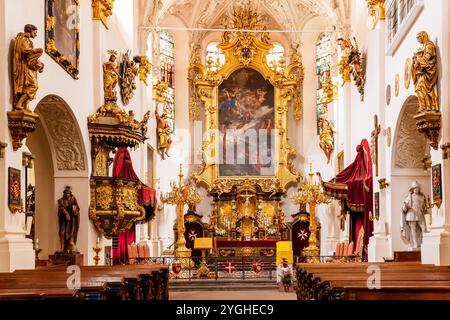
(181, 195)
(102, 9)
(312, 194)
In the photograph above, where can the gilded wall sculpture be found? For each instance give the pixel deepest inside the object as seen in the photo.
(425, 77)
(26, 65)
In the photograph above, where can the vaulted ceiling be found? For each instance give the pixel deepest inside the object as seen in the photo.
(279, 14)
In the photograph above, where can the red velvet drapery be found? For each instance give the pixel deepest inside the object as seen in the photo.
(354, 185)
(123, 168)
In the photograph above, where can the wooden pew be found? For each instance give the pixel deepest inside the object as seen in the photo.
(148, 282)
(324, 281)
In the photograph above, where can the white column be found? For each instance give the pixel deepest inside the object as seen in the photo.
(379, 243)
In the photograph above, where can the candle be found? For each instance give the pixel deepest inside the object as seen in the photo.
(98, 242)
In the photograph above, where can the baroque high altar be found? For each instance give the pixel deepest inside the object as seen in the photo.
(246, 178)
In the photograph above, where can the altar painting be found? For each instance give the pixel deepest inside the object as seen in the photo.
(246, 120)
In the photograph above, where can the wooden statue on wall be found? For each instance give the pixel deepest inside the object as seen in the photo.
(26, 65)
(425, 76)
(110, 77)
(326, 137)
(69, 221)
(163, 131)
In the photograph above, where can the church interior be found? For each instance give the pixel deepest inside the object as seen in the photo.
(192, 149)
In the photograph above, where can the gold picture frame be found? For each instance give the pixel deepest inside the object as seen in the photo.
(248, 51)
(62, 34)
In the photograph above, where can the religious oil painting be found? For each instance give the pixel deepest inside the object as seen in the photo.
(62, 37)
(14, 189)
(246, 120)
(436, 184)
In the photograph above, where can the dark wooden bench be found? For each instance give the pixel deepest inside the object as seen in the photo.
(335, 281)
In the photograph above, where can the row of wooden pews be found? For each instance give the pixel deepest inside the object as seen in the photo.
(125, 282)
(359, 281)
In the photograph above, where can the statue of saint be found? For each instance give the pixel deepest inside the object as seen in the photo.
(69, 221)
(326, 137)
(413, 223)
(25, 68)
(344, 63)
(110, 77)
(425, 74)
(163, 130)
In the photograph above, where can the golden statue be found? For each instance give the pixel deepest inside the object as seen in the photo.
(163, 130)
(110, 77)
(25, 68)
(344, 63)
(326, 137)
(145, 66)
(425, 74)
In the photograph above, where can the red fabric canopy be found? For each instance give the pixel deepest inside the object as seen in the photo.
(354, 185)
(123, 168)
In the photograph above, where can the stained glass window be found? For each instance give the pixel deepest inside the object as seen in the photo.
(323, 71)
(275, 54)
(167, 61)
(215, 54)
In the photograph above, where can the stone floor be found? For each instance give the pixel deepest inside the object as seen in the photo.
(232, 295)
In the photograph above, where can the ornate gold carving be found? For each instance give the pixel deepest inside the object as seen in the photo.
(145, 68)
(311, 193)
(376, 9)
(429, 124)
(64, 132)
(114, 206)
(21, 124)
(180, 195)
(104, 195)
(102, 9)
(159, 89)
(427, 162)
(50, 23)
(128, 72)
(425, 77)
(3, 146)
(352, 64)
(111, 124)
(383, 183)
(247, 50)
(445, 151)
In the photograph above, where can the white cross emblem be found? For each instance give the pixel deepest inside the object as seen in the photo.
(192, 235)
(303, 235)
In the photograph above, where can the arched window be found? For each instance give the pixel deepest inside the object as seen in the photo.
(274, 56)
(216, 55)
(167, 62)
(323, 71)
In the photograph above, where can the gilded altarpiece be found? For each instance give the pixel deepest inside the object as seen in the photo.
(247, 96)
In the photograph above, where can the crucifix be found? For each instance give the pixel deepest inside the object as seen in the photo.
(374, 143)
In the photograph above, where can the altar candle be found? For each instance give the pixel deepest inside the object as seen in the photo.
(98, 242)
